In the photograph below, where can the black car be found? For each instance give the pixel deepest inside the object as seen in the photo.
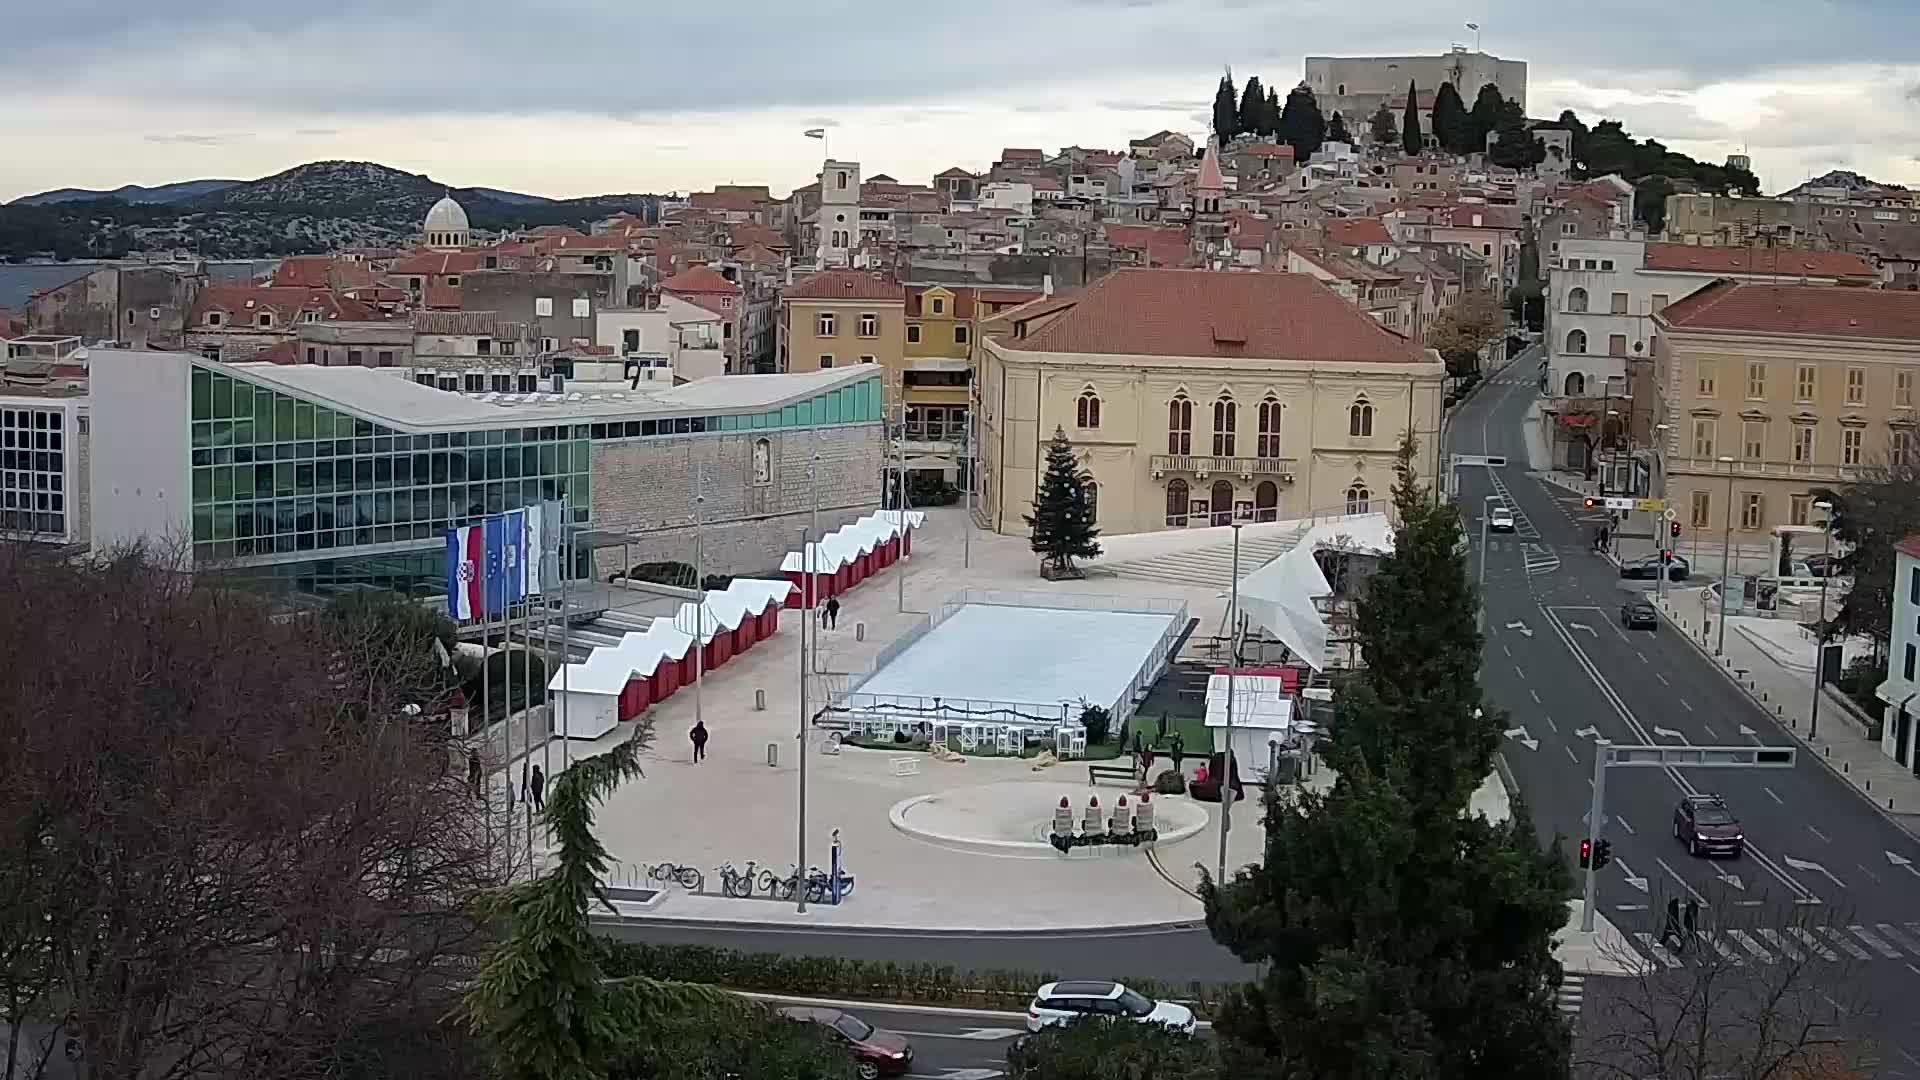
(875, 1052)
(1707, 827)
(1648, 569)
(1638, 614)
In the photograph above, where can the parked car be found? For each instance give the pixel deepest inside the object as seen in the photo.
(1707, 827)
(1068, 1000)
(1638, 614)
(875, 1052)
(1648, 569)
(1500, 519)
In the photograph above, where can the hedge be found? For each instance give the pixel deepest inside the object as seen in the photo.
(863, 980)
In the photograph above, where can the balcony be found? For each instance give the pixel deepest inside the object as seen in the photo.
(1766, 470)
(1245, 467)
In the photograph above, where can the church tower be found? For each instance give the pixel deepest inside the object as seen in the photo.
(1208, 228)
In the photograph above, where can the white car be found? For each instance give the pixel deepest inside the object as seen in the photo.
(1068, 1000)
(1500, 519)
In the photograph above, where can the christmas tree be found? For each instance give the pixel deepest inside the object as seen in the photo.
(1062, 518)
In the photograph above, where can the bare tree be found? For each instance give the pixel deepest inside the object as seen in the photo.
(246, 848)
(1752, 993)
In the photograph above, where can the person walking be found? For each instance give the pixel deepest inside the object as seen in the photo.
(538, 787)
(833, 612)
(1691, 917)
(1177, 750)
(699, 737)
(474, 772)
(1672, 929)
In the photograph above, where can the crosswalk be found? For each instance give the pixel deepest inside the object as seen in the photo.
(1573, 993)
(1876, 942)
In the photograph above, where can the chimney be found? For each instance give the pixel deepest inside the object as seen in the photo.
(1046, 285)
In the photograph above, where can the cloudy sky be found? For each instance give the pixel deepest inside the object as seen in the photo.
(577, 97)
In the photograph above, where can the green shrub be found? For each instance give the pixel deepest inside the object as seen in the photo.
(1171, 782)
(1098, 722)
(1102, 1048)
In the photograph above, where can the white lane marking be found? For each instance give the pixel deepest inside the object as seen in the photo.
(1722, 948)
(1813, 944)
(1845, 942)
(1536, 696)
(1662, 678)
(1875, 943)
(1550, 724)
(1641, 655)
(1894, 934)
(1675, 875)
(1622, 822)
(1785, 949)
(1517, 671)
(1657, 952)
(1683, 702)
(1818, 833)
(1746, 942)
(1506, 650)
(1774, 797)
(1709, 731)
(1576, 759)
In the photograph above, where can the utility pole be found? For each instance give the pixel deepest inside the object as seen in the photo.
(1726, 562)
(1480, 616)
(699, 595)
(806, 627)
(1233, 661)
(1820, 627)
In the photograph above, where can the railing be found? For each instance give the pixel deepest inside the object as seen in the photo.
(934, 431)
(1785, 470)
(1235, 466)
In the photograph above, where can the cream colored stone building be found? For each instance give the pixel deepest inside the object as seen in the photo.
(1770, 392)
(1193, 395)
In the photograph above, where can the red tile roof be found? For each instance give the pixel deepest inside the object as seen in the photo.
(1017, 153)
(1909, 547)
(845, 285)
(1210, 179)
(321, 272)
(738, 201)
(1163, 245)
(1268, 150)
(439, 294)
(1811, 310)
(699, 279)
(1741, 260)
(437, 262)
(1357, 232)
(1203, 313)
(285, 304)
(284, 352)
(1461, 216)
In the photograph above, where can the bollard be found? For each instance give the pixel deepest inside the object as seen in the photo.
(859, 631)
(1889, 804)
(1063, 818)
(759, 701)
(1826, 751)
(1843, 767)
(1122, 817)
(1091, 825)
(1143, 815)
(1869, 784)
(773, 755)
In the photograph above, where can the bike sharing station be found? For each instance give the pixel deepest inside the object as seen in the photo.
(751, 882)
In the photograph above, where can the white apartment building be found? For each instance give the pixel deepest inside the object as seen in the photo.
(1901, 691)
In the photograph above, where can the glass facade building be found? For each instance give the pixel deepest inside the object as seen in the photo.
(33, 470)
(275, 475)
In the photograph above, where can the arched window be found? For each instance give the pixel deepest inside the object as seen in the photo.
(1093, 498)
(1358, 497)
(1221, 502)
(1226, 417)
(1086, 412)
(1360, 419)
(1266, 501)
(1576, 299)
(1576, 384)
(1577, 341)
(1180, 426)
(1176, 502)
(1268, 444)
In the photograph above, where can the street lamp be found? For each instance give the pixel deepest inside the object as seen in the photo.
(1233, 661)
(1662, 534)
(1726, 560)
(1486, 507)
(1820, 626)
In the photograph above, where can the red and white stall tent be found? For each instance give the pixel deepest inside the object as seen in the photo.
(848, 555)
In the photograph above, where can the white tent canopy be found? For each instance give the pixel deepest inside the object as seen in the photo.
(1279, 597)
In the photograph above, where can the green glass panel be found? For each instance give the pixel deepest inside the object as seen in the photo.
(242, 398)
(282, 418)
(283, 478)
(202, 523)
(242, 482)
(833, 408)
(789, 416)
(223, 483)
(223, 523)
(803, 413)
(303, 420)
(243, 431)
(263, 416)
(322, 423)
(222, 397)
(202, 485)
(203, 433)
(202, 394)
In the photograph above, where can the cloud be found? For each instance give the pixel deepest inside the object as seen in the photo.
(317, 133)
(185, 139)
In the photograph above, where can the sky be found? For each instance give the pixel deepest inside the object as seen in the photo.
(580, 97)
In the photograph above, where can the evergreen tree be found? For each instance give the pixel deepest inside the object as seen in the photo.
(1062, 518)
(1515, 146)
(1450, 124)
(1226, 111)
(1337, 130)
(1253, 107)
(1385, 131)
(1301, 125)
(1272, 112)
(1411, 139)
(1399, 935)
(1485, 114)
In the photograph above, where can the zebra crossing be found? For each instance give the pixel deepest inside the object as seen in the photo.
(1880, 941)
(1572, 995)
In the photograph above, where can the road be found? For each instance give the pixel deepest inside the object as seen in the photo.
(1557, 659)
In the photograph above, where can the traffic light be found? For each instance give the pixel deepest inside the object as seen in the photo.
(1586, 853)
(1673, 529)
(1590, 502)
(1603, 855)
(1666, 556)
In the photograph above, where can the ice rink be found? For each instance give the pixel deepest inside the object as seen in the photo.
(1041, 656)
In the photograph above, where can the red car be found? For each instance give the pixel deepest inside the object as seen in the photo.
(875, 1052)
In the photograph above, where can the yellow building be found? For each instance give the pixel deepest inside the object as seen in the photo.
(837, 318)
(1768, 392)
(943, 332)
(1193, 395)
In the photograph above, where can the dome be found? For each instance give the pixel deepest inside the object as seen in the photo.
(446, 216)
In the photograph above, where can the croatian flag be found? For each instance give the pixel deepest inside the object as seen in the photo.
(464, 557)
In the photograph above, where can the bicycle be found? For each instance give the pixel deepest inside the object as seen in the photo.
(735, 883)
(820, 885)
(783, 888)
(687, 877)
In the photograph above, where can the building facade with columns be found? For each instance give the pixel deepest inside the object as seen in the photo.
(1191, 396)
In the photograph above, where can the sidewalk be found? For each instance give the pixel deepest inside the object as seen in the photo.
(1787, 692)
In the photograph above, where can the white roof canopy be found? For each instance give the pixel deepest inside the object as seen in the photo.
(1279, 597)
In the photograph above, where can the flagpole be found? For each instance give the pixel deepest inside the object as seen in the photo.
(526, 672)
(546, 637)
(806, 627)
(566, 630)
(699, 597)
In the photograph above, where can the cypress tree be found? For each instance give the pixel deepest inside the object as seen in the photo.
(1411, 139)
(1226, 112)
(1385, 131)
(1062, 518)
(1253, 108)
(1301, 125)
(1450, 125)
(1272, 113)
(1485, 115)
(1337, 129)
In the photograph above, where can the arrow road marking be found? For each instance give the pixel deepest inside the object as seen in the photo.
(1526, 740)
(1588, 732)
(1637, 882)
(1813, 867)
(1730, 879)
(1903, 863)
(1747, 731)
(1669, 733)
(1583, 626)
(975, 1034)
(1522, 627)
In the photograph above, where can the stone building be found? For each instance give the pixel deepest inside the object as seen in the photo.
(140, 307)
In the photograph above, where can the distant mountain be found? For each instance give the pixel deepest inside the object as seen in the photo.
(129, 193)
(1845, 179)
(317, 207)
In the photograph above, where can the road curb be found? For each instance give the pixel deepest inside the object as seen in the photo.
(1897, 820)
(1182, 926)
(882, 1006)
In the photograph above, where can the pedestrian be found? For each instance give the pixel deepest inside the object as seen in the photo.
(539, 789)
(474, 772)
(699, 737)
(1177, 750)
(1606, 538)
(1672, 929)
(1146, 764)
(833, 612)
(1692, 917)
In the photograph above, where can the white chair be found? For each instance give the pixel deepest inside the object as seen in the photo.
(1077, 742)
(1013, 739)
(969, 737)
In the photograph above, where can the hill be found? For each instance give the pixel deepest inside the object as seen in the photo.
(129, 193)
(310, 208)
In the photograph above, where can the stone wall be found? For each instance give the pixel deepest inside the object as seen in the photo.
(644, 488)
